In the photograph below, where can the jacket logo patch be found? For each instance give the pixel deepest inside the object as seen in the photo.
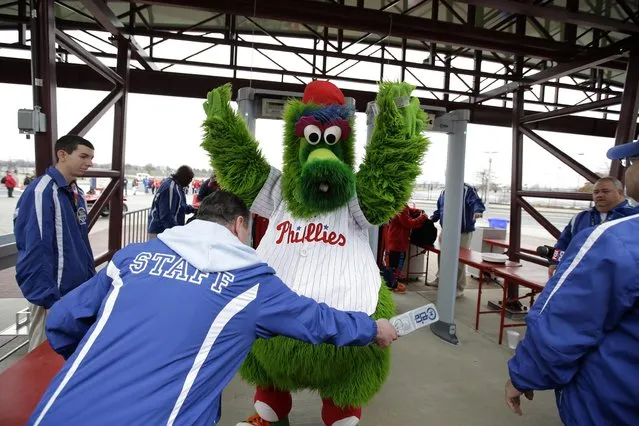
(313, 232)
(82, 215)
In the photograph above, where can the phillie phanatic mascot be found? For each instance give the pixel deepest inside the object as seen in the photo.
(317, 241)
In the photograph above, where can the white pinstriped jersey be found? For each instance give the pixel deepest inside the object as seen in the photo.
(326, 257)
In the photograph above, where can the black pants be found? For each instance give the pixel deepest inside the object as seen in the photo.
(10, 191)
(393, 267)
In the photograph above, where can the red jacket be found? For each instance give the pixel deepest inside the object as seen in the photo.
(397, 236)
(9, 181)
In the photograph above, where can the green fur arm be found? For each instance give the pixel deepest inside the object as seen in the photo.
(236, 158)
(394, 155)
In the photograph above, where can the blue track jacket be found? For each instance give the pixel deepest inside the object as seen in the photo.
(472, 204)
(155, 337)
(587, 219)
(583, 331)
(169, 207)
(52, 236)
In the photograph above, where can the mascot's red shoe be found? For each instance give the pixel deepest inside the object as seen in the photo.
(336, 416)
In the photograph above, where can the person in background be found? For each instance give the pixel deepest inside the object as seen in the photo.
(169, 207)
(207, 187)
(168, 323)
(27, 179)
(610, 204)
(397, 243)
(583, 330)
(9, 182)
(472, 209)
(52, 234)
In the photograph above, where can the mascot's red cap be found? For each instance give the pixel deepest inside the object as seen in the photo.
(323, 93)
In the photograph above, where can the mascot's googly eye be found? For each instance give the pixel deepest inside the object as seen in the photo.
(313, 134)
(332, 135)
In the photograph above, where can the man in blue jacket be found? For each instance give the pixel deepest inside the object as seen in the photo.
(52, 234)
(610, 204)
(156, 336)
(208, 187)
(583, 330)
(169, 206)
(472, 209)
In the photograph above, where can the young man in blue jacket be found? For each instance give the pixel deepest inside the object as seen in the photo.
(583, 330)
(472, 209)
(610, 204)
(156, 336)
(52, 234)
(169, 206)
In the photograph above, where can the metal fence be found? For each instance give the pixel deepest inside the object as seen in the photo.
(134, 226)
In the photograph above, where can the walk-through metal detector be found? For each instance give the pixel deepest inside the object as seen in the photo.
(454, 124)
(258, 103)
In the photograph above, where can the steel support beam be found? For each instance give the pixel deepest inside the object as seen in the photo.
(533, 118)
(559, 154)
(43, 81)
(88, 58)
(110, 22)
(83, 127)
(309, 51)
(627, 125)
(556, 195)
(102, 173)
(119, 144)
(103, 199)
(312, 52)
(534, 213)
(632, 15)
(560, 14)
(590, 60)
(378, 22)
(517, 165)
(178, 31)
(16, 71)
(22, 28)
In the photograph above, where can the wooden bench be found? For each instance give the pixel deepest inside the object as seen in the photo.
(23, 384)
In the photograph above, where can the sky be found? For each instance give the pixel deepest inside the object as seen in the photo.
(166, 130)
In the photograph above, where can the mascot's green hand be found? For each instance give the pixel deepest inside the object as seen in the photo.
(217, 105)
(394, 155)
(400, 113)
(239, 165)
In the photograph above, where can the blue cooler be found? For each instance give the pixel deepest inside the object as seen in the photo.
(494, 222)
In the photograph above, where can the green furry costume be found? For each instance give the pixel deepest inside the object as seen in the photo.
(318, 179)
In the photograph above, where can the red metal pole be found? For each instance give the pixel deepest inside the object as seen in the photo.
(119, 143)
(44, 82)
(627, 125)
(517, 168)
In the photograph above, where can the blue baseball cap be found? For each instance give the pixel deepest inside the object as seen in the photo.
(627, 150)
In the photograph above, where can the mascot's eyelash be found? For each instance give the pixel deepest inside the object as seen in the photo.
(327, 115)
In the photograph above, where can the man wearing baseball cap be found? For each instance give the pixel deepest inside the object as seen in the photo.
(583, 330)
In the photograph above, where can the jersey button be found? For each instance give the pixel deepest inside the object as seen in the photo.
(303, 252)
